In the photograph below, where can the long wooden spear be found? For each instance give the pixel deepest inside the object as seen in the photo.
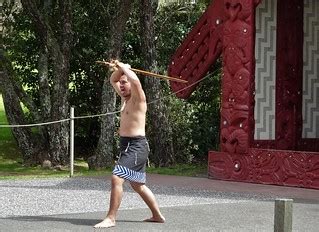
(146, 73)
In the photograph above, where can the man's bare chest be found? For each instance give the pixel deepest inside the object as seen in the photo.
(129, 109)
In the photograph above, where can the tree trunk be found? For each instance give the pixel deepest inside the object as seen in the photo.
(44, 93)
(58, 43)
(105, 149)
(160, 132)
(13, 94)
(30, 148)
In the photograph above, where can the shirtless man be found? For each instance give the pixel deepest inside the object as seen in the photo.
(134, 146)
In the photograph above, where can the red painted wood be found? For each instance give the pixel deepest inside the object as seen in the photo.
(308, 145)
(289, 74)
(237, 122)
(264, 144)
(264, 166)
(200, 49)
(311, 144)
(234, 38)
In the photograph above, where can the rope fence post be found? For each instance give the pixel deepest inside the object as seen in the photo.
(71, 141)
(283, 215)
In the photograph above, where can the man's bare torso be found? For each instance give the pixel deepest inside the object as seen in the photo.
(132, 121)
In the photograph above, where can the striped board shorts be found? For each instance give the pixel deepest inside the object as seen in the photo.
(132, 160)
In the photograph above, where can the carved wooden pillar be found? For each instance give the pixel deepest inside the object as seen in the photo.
(237, 111)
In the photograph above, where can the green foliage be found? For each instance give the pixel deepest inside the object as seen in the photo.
(173, 22)
(195, 121)
(91, 42)
(21, 46)
(206, 116)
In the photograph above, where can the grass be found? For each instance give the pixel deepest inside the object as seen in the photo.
(11, 165)
(181, 170)
(5, 133)
(11, 169)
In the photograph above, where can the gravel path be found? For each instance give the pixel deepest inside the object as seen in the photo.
(189, 204)
(80, 195)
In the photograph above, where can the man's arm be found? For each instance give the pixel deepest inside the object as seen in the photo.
(114, 80)
(136, 86)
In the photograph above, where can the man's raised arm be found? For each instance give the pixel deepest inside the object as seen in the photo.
(137, 90)
(115, 80)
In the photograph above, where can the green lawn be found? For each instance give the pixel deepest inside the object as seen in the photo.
(5, 133)
(181, 170)
(11, 166)
(9, 154)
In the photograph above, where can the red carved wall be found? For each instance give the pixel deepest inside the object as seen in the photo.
(201, 48)
(237, 123)
(227, 27)
(289, 168)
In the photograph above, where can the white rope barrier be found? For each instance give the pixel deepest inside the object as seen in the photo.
(35, 124)
(58, 121)
(97, 115)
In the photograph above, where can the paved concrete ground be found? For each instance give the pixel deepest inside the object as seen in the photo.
(189, 204)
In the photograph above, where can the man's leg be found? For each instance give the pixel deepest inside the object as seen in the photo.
(115, 201)
(150, 201)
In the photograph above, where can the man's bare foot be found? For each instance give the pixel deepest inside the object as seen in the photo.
(106, 223)
(160, 219)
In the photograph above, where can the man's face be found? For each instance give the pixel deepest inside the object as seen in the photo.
(125, 86)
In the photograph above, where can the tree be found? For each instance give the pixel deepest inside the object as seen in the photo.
(104, 151)
(159, 131)
(51, 33)
(55, 35)
(28, 143)
(13, 94)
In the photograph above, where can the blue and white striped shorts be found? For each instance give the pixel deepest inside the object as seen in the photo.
(131, 164)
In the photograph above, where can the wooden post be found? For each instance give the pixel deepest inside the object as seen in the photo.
(71, 141)
(283, 215)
